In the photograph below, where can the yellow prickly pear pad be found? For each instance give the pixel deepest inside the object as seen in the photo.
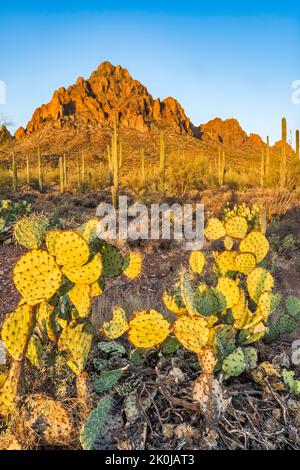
(265, 304)
(80, 296)
(228, 243)
(71, 250)
(258, 282)
(172, 303)
(37, 276)
(245, 263)
(51, 238)
(225, 261)
(148, 329)
(76, 339)
(229, 292)
(45, 318)
(236, 227)
(256, 243)
(96, 290)
(197, 261)
(214, 229)
(133, 267)
(116, 327)
(16, 331)
(192, 332)
(87, 274)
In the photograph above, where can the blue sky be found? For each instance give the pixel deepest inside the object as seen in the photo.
(221, 58)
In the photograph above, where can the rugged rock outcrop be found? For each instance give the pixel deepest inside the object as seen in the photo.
(110, 90)
(228, 132)
(5, 135)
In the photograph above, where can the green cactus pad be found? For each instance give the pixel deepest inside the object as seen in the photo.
(95, 423)
(225, 340)
(250, 355)
(112, 261)
(234, 364)
(293, 307)
(286, 324)
(30, 231)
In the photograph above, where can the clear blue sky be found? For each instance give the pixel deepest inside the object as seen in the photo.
(219, 58)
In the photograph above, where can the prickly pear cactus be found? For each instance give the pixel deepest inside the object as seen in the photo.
(58, 285)
(30, 231)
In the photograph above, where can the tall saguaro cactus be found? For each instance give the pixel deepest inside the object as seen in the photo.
(115, 163)
(283, 130)
(78, 173)
(221, 166)
(283, 159)
(120, 154)
(40, 168)
(65, 171)
(162, 160)
(27, 170)
(262, 168)
(61, 175)
(297, 145)
(82, 166)
(14, 173)
(143, 166)
(267, 163)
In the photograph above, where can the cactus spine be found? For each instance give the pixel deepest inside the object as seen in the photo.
(61, 175)
(283, 160)
(14, 173)
(162, 160)
(297, 145)
(40, 169)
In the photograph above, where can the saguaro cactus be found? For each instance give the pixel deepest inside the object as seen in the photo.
(283, 160)
(120, 153)
(267, 165)
(78, 173)
(61, 175)
(65, 170)
(40, 169)
(262, 168)
(27, 170)
(14, 173)
(82, 166)
(109, 160)
(162, 160)
(115, 163)
(283, 130)
(297, 145)
(143, 166)
(221, 166)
